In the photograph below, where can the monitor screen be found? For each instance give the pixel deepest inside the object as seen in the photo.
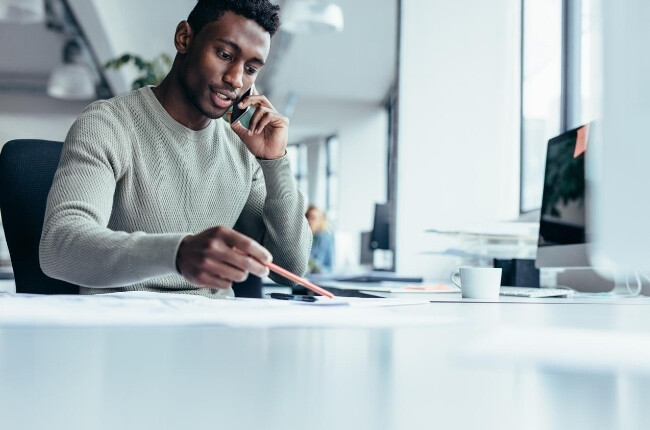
(562, 220)
(563, 236)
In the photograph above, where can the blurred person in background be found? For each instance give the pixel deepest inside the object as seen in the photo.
(322, 248)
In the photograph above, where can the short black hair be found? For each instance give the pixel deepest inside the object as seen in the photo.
(263, 12)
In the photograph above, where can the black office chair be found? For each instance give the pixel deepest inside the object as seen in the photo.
(27, 169)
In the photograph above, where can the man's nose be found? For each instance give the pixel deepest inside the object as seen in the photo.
(235, 75)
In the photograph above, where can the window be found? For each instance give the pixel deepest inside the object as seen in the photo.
(332, 182)
(557, 88)
(541, 92)
(315, 170)
(297, 154)
(588, 100)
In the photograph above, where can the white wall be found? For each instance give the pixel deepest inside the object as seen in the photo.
(362, 181)
(458, 156)
(32, 116)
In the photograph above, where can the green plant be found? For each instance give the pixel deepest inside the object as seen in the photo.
(151, 72)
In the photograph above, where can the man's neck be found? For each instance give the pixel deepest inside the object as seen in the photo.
(171, 96)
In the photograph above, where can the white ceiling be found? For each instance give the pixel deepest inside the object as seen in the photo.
(356, 66)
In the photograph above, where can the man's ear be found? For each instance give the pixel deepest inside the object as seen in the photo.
(183, 37)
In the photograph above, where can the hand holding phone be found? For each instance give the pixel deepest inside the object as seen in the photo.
(261, 127)
(243, 116)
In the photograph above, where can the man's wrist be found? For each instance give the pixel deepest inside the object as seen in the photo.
(271, 159)
(181, 245)
(278, 178)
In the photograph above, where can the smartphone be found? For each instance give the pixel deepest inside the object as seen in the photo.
(294, 297)
(243, 116)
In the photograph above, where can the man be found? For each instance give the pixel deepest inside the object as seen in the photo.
(154, 192)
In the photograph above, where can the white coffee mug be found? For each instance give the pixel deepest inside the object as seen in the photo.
(478, 282)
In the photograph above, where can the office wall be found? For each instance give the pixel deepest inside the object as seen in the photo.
(35, 116)
(458, 156)
(362, 181)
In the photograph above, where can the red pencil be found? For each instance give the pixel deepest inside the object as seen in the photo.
(295, 278)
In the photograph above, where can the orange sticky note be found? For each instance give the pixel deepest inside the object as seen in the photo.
(581, 141)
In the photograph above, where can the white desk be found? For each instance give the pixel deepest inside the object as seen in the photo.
(7, 286)
(505, 366)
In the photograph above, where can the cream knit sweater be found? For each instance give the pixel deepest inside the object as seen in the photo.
(132, 183)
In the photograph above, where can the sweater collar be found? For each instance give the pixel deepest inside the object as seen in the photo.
(175, 126)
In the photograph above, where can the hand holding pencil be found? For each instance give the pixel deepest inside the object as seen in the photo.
(219, 256)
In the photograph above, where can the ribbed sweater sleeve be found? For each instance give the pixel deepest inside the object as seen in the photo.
(76, 244)
(274, 216)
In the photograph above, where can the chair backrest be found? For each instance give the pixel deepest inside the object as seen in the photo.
(26, 172)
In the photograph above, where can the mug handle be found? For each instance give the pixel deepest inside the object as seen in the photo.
(455, 275)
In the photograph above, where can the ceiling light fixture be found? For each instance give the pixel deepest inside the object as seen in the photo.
(22, 11)
(312, 16)
(72, 80)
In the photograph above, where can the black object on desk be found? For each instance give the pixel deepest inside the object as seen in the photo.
(372, 276)
(380, 278)
(295, 297)
(518, 272)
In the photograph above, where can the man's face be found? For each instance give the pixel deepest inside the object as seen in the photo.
(222, 62)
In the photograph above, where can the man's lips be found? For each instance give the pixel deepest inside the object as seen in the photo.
(222, 98)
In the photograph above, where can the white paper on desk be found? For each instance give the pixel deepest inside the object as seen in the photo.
(159, 309)
(366, 302)
(359, 302)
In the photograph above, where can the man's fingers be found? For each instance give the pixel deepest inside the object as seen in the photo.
(239, 260)
(219, 256)
(263, 122)
(239, 129)
(253, 124)
(245, 244)
(225, 270)
(256, 100)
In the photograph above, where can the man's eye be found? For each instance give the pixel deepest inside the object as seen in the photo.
(225, 55)
(251, 70)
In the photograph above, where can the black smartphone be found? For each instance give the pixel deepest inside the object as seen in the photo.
(243, 116)
(295, 297)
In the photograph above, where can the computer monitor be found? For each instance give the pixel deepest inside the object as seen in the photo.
(380, 235)
(563, 230)
(366, 252)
